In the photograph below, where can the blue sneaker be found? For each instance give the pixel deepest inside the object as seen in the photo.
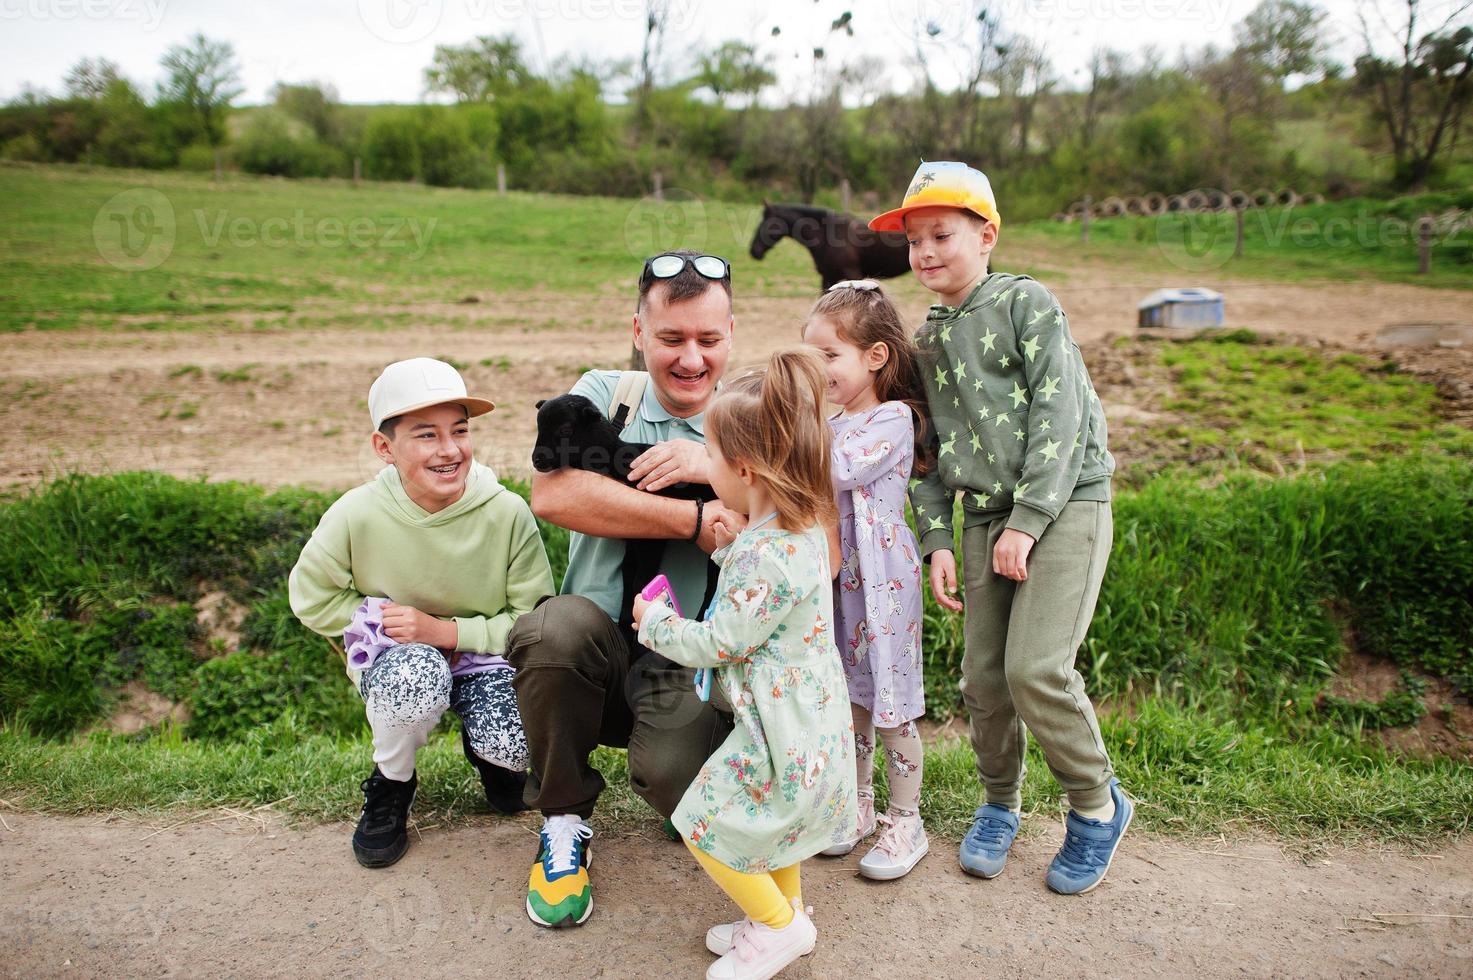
(1089, 847)
(985, 848)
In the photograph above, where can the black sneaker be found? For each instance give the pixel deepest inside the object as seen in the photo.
(503, 786)
(382, 836)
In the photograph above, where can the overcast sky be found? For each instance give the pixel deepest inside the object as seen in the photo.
(377, 50)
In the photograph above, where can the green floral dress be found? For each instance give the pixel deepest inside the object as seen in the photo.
(781, 787)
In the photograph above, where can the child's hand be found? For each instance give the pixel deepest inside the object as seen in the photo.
(723, 533)
(642, 605)
(406, 624)
(715, 517)
(1010, 556)
(944, 580)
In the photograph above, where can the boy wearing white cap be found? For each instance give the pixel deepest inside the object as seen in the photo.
(1021, 437)
(425, 567)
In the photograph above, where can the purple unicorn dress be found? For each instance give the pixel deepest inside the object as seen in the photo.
(877, 597)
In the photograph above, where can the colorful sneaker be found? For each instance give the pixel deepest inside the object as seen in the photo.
(866, 827)
(382, 834)
(558, 891)
(718, 938)
(901, 846)
(984, 850)
(1089, 847)
(758, 952)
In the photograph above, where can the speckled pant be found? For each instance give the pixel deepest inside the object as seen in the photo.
(409, 687)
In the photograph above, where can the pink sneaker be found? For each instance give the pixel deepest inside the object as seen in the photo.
(901, 846)
(718, 938)
(866, 827)
(759, 952)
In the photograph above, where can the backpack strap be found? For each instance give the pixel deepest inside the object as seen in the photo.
(628, 393)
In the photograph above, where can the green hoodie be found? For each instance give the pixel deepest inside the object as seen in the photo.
(479, 561)
(1019, 430)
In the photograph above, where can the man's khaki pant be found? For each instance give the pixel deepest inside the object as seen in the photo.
(1021, 639)
(581, 683)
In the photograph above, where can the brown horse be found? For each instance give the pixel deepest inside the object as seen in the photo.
(843, 247)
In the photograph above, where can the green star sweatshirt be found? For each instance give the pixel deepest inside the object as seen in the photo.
(479, 561)
(1018, 428)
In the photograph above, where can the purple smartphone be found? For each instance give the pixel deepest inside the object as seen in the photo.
(661, 585)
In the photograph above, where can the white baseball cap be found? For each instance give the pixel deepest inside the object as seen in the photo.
(407, 386)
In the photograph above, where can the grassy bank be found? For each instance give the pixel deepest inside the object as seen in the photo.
(1236, 400)
(1189, 776)
(1225, 612)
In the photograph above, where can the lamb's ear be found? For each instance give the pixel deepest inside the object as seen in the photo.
(540, 402)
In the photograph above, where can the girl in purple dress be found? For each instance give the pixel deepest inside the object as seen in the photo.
(875, 382)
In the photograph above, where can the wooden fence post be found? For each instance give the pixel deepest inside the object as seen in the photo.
(659, 186)
(357, 170)
(1084, 219)
(1424, 245)
(501, 178)
(844, 193)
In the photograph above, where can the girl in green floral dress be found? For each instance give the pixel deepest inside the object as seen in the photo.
(781, 788)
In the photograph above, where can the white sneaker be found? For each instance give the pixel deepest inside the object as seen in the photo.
(902, 844)
(866, 827)
(759, 952)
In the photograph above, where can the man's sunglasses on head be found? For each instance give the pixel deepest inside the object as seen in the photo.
(667, 265)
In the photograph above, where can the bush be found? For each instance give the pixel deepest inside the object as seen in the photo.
(271, 145)
(439, 145)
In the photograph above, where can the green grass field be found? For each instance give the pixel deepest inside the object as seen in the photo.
(1342, 240)
(250, 249)
(90, 247)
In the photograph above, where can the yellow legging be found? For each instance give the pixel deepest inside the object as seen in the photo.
(766, 898)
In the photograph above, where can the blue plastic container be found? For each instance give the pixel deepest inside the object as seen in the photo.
(1190, 307)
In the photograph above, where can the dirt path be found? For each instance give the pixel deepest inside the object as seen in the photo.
(286, 405)
(227, 897)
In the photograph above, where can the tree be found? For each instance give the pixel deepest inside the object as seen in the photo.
(1284, 36)
(1108, 73)
(202, 77)
(1023, 74)
(657, 13)
(1237, 86)
(959, 125)
(734, 69)
(1421, 93)
(91, 78)
(485, 70)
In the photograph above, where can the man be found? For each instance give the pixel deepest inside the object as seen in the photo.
(581, 678)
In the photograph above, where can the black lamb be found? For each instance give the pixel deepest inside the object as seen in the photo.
(572, 432)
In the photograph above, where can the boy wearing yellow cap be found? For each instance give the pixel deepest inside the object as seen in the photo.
(1020, 435)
